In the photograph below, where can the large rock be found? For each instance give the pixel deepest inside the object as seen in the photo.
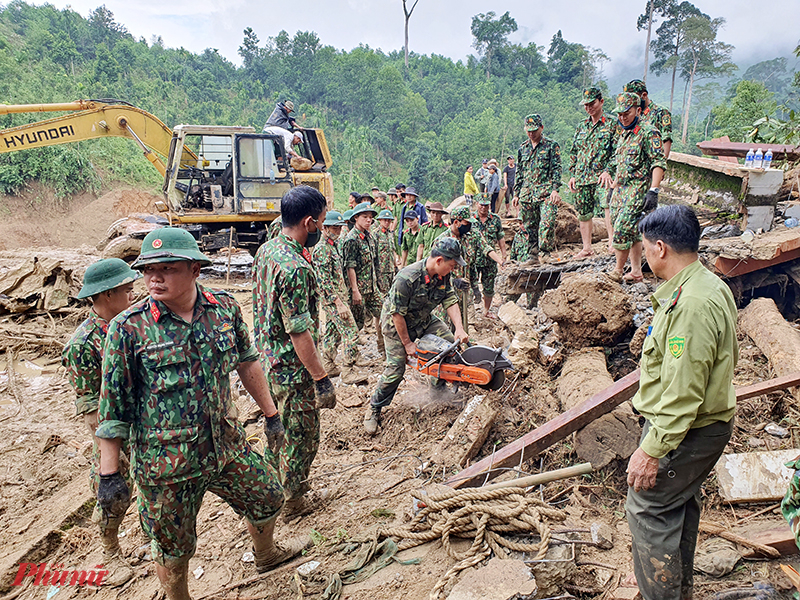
(498, 580)
(590, 310)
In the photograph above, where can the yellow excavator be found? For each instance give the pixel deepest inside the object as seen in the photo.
(224, 184)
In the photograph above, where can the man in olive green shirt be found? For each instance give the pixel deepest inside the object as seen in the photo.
(687, 399)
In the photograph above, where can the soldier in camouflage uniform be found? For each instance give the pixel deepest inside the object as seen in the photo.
(285, 321)
(166, 387)
(473, 246)
(406, 317)
(491, 228)
(109, 284)
(433, 228)
(341, 326)
(657, 116)
(387, 259)
(592, 149)
(274, 229)
(638, 164)
(413, 242)
(536, 185)
(790, 506)
(519, 252)
(360, 261)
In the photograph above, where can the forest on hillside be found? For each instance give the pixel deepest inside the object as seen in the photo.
(388, 117)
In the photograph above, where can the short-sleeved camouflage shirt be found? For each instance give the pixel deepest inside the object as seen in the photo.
(359, 252)
(387, 269)
(166, 386)
(431, 231)
(285, 301)
(414, 295)
(520, 248)
(473, 246)
(638, 151)
(492, 232)
(83, 359)
(592, 148)
(328, 269)
(660, 118)
(538, 170)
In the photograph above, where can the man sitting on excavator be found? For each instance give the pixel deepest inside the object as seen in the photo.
(281, 123)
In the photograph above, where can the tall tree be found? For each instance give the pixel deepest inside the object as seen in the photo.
(704, 57)
(654, 8)
(408, 12)
(668, 45)
(491, 34)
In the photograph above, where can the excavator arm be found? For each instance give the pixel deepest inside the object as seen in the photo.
(92, 119)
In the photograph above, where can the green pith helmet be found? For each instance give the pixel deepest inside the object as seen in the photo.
(106, 274)
(333, 218)
(386, 214)
(348, 214)
(169, 244)
(362, 208)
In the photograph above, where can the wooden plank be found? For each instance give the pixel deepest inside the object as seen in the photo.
(766, 387)
(710, 164)
(557, 429)
(779, 537)
(738, 149)
(754, 476)
(543, 437)
(731, 267)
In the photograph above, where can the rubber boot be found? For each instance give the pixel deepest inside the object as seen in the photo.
(372, 420)
(119, 571)
(175, 580)
(267, 553)
(329, 362)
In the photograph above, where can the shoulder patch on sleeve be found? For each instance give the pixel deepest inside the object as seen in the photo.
(676, 345)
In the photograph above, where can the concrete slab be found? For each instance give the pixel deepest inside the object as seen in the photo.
(498, 580)
(759, 217)
(754, 476)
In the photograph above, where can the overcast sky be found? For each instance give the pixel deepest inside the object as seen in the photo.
(758, 31)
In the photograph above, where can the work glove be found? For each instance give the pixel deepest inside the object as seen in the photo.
(460, 284)
(273, 428)
(113, 496)
(650, 200)
(326, 395)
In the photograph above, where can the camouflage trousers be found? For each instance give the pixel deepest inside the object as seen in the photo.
(664, 520)
(539, 218)
(588, 198)
(168, 512)
(627, 209)
(385, 281)
(94, 469)
(486, 274)
(790, 506)
(395, 366)
(337, 330)
(370, 307)
(293, 394)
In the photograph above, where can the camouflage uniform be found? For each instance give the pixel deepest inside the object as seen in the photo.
(83, 359)
(430, 232)
(485, 267)
(790, 506)
(387, 268)
(414, 295)
(360, 252)
(330, 278)
(166, 387)
(538, 175)
(274, 229)
(638, 151)
(410, 243)
(519, 252)
(285, 302)
(660, 118)
(592, 149)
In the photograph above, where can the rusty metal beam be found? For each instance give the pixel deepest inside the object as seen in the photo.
(739, 150)
(555, 430)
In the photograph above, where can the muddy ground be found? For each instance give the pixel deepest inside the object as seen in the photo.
(45, 452)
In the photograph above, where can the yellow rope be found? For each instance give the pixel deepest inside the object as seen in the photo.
(483, 516)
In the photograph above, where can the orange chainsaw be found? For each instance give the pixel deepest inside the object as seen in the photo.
(479, 365)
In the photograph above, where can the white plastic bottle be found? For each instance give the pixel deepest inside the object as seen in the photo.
(759, 159)
(767, 160)
(748, 161)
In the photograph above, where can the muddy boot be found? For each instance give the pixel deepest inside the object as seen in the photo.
(305, 504)
(353, 376)
(329, 364)
(372, 420)
(269, 554)
(119, 571)
(175, 580)
(363, 361)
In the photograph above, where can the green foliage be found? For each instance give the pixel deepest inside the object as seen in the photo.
(753, 101)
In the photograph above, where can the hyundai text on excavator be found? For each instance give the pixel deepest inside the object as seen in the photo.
(224, 184)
